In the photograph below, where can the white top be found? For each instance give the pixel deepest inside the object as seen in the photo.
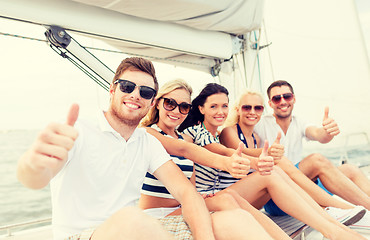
(208, 179)
(152, 186)
(267, 129)
(103, 174)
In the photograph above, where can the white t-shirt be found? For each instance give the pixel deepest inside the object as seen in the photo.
(104, 173)
(267, 129)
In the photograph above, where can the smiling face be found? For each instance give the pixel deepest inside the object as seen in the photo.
(130, 108)
(284, 108)
(172, 119)
(215, 109)
(250, 117)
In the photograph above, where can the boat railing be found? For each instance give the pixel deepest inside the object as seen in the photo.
(9, 228)
(344, 156)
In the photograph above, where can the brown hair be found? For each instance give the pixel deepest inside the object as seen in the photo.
(279, 83)
(139, 64)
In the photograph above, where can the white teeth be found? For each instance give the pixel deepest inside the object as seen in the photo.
(174, 118)
(132, 105)
(284, 108)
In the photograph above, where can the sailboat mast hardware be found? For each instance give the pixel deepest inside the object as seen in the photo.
(67, 47)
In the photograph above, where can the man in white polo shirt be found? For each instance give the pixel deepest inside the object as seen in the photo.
(346, 181)
(96, 168)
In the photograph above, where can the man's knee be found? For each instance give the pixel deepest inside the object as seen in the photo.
(318, 162)
(127, 219)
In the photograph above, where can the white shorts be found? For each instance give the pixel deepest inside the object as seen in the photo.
(160, 212)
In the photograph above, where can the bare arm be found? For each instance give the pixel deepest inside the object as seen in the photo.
(325, 133)
(230, 139)
(237, 166)
(48, 154)
(193, 206)
(222, 150)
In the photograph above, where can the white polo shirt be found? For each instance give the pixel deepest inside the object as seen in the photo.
(267, 129)
(104, 173)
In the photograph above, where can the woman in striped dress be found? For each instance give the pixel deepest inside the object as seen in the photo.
(209, 111)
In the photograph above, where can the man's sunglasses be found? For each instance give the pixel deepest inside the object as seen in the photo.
(127, 86)
(170, 104)
(248, 108)
(277, 98)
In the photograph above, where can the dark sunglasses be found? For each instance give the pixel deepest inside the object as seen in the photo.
(277, 98)
(170, 104)
(248, 108)
(127, 86)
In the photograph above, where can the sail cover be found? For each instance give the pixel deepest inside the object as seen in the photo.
(192, 33)
(233, 16)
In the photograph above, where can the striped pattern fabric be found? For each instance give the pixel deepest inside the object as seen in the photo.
(152, 186)
(208, 180)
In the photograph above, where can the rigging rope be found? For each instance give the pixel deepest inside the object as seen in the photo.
(110, 51)
(268, 50)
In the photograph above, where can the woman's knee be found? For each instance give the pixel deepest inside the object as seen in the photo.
(226, 199)
(349, 170)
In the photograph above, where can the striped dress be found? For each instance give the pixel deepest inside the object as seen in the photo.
(208, 180)
(152, 186)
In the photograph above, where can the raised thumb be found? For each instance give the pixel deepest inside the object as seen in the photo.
(278, 137)
(72, 114)
(265, 149)
(326, 113)
(240, 148)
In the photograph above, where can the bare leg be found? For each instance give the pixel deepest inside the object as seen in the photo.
(125, 224)
(255, 187)
(229, 199)
(237, 224)
(309, 200)
(316, 165)
(356, 176)
(317, 193)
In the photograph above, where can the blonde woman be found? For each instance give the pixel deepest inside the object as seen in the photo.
(240, 127)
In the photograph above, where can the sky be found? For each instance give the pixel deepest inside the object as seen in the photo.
(38, 86)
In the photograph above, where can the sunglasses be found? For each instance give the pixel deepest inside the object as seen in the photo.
(170, 104)
(277, 98)
(248, 108)
(127, 86)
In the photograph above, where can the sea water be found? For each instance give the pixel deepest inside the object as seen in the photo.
(19, 204)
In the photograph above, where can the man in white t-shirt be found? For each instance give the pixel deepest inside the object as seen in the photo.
(346, 181)
(96, 168)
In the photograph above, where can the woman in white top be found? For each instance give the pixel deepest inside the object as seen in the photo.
(209, 111)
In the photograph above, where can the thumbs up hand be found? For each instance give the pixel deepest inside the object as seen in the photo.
(329, 125)
(265, 163)
(238, 166)
(50, 149)
(276, 150)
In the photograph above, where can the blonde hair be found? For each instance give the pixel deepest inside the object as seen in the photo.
(152, 116)
(233, 117)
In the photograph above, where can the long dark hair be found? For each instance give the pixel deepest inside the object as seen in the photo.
(195, 116)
